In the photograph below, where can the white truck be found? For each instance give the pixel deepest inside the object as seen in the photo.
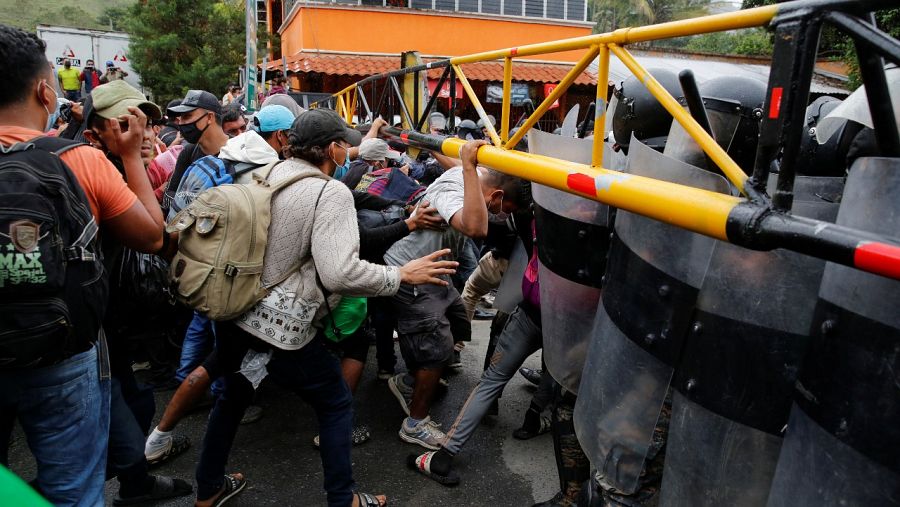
(79, 45)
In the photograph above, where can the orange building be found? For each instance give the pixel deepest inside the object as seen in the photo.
(328, 46)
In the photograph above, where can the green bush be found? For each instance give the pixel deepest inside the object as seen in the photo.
(754, 42)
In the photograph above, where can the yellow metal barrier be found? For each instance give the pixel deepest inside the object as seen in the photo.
(752, 222)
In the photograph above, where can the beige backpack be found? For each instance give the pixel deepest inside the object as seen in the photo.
(222, 242)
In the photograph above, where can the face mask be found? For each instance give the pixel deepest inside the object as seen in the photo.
(51, 117)
(191, 133)
(500, 217)
(341, 169)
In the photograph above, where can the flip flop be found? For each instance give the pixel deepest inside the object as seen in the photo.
(422, 463)
(233, 486)
(367, 500)
(163, 487)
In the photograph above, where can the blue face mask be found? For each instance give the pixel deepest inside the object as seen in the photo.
(342, 169)
(51, 117)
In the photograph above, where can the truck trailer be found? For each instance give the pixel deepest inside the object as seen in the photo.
(80, 45)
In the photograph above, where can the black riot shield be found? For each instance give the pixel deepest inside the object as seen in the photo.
(573, 238)
(842, 443)
(652, 278)
(734, 382)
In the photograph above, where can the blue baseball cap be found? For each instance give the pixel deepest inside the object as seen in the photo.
(273, 118)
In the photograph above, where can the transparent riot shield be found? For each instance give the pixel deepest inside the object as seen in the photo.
(842, 442)
(573, 237)
(509, 292)
(681, 146)
(734, 382)
(653, 275)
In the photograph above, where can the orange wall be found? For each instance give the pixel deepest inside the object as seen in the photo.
(368, 30)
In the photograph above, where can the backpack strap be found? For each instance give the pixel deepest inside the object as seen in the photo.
(55, 145)
(244, 167)
(78, 250)
(290, 271)
(263, 175)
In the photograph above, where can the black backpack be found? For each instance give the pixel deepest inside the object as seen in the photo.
(52, 282)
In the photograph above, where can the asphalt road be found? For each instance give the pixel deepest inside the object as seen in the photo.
(283, 468)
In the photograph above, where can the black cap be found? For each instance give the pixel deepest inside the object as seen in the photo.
(318, 127)
(198, 99)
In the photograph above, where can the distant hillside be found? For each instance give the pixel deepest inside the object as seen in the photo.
(77, 13)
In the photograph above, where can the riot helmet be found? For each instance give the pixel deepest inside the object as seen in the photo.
(828, 157)
(468, 130)
(637, 110)
(734, 107)
(522, 145)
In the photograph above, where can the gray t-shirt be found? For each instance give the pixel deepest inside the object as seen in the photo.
(446, 195)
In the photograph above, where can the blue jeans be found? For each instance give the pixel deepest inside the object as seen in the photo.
(64, 411)
(199, 340)
(520, 338)
(313, 373)
(126, 459)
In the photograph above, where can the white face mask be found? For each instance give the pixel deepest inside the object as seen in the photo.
(51, 117)
(499, 217)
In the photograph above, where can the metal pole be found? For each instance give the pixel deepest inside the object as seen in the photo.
(732, 171)
(507, 92)
(492, 133)
(724, 217)
(433, 98)
(600, 104)
(796, 43)
(871, 69)
(553, 96)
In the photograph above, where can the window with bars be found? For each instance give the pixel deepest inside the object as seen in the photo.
(468, 5)
(571, 10)
(490, 6)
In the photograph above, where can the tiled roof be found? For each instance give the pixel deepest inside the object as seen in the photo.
(360, 66)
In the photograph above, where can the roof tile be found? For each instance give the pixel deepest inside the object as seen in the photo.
(361, 66)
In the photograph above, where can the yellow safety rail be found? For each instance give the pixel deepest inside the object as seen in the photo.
(716, 215)
(602, 45)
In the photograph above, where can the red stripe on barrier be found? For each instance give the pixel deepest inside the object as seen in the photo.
(513, 52)
(878, 258)
(581, 183)
(775, 103)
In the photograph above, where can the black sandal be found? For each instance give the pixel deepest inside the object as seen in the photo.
(422, 463)
(163, 487)
(232, 487)
(367, 500)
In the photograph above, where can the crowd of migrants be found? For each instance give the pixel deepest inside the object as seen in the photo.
(366, 241)
(361, 219)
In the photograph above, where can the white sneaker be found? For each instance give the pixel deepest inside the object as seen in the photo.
(426, 434)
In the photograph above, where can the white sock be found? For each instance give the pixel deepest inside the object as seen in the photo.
(157, 442)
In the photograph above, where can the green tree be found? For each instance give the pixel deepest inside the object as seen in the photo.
(613, 14)
(178, 45)
(752, 42)
(113, 18)
(888, 21)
